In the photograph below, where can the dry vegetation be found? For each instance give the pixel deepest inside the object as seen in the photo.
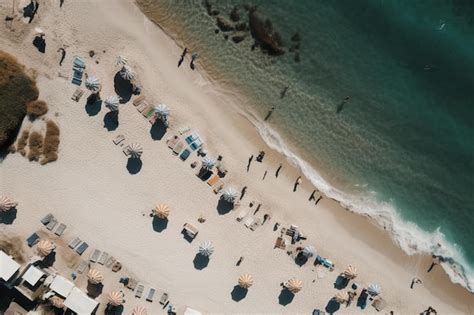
(35, 144)
(22, 142)
(36, 108)
(51, 143)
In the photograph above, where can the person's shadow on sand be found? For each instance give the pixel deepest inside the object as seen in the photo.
(238, 293)
(8, 217)
(111, 121)
(159, 225)
(200, 261)
(285, 297)
(134, 165)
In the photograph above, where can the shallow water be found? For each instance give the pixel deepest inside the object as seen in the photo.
(401, 150)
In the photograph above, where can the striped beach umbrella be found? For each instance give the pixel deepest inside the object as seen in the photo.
(112, 103)
(162, 211)
(127, 73)
(374, 289)
(94, 276)
(7, 203)
(245, 281)
(56, 301)
(309, 251)
(208, 163)
(45, 247)
(206, 249)
(294, 285)
(341, 296)
(139, 310)
(230, 194)
(121, 61)
(135, 150)
(93, 84)
(115, 298)
(162, 111)
(350, 272)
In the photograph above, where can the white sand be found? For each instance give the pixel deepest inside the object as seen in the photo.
(90, 189)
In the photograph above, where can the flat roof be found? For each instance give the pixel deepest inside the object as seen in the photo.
(61, 286)
(78, 302)
(190, 311)
(32, 275)
(8, 266)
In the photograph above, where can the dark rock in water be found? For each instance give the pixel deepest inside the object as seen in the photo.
(292, 49)
(91, 53)
(241, 26)
(226, 37)
(263, 33)
(247, 7)
(215, 12)
(235, 15)
(208, 6)
(216, 31)
(297, 46)
(297, 57)
(296, 37)
(224, 24)
(238, 37)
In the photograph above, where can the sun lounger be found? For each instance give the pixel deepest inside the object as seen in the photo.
(52, 224)
(76, 81)
(196, 144)
(82, 248)
(117, 266)
(280, 243)
(72, 244)
(190, 230)
(379, 304)
(255, 224)
(147, 112)
(110, 261)
(241, 215)
(32, 240)
(95, 255)
(249, 222)
(79, 62)
(213, 180)
(139, 292)
(183, 130)
(132, 284)
(76, 96)
(172, 142)
(164, 298)
(82, 267)
(118, 139)
(60, 230)
(218, 187)
(178, 147)
(185, 154)
(47, 218)
(126, 150)
(138, 100)
(151, 295)
(103, 258)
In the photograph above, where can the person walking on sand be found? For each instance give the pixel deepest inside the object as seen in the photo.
(434, 263)
(283, 92)
(63, 55)
(61, 2)
(297, 182)
(270, 112)
(319, 199)
(312, 195)
(264, 175)
(278, 170)
(250, 161)
(240, 260)
(258, 209)
(242, 193)
(413, 281)
(193, 58)
(185, 51)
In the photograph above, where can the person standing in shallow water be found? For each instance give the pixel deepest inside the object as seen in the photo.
(250, 161)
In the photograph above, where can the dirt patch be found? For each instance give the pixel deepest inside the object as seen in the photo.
(13, 246)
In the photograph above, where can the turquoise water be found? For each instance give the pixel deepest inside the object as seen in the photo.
(402, 149)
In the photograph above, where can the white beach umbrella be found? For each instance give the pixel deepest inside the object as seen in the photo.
(374, 289)
(127, 73)
(350, 272)
(341, 296)
(56, 301)
(115, 298)
(45, 247)
(139, 310)
(162, 111)
(39, 30)
(135, 150)
(121, 61)
(206, 248)
(93, 84)
(245, 281)
(7, 203)
(94, 276)
(294, 285)
(309, 251)
(208, 163)
(230, 194)
(112, 102)
(162, 211)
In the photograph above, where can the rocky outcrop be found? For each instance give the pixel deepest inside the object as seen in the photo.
(242, 26)
(296, 37)
(264, 34)
(235, 15)
(238, 37)
(224, 24)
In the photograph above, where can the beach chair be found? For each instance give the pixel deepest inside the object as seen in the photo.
(255, 224)
(142, 106)
(82, 248)
(132, 284)
(76, 96)
(47, 219)
(110, 261)
(190, 231)
(191, 138)
(103, 258)
(138, 100)
(76, 81)
(164, 298)
(126, 150)
(95, 255)
(213, 180)
(196, 144)
(241, 215)
(32, 240)
(72, 244)
(139, 291)
(148, 112)
(52, 224)
(82, 267)
(178, 147)
(280, 243)
(151, 295)
(117, 266)
(60, 230)
(172, 142)
(185, 154)
(249, 222)
(79, 62)
(218, 187)
(118, 139)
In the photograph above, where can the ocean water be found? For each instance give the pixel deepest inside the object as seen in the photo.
(402, 149)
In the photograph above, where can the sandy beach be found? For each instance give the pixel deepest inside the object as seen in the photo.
(90, 189)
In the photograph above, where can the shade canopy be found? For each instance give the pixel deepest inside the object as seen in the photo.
(112, 103)
(57, 301)
(45, 247)
(162, 111)
(206, 248)
(139, 310)
(294, 285)
(121, 61)
(6, 203)
(93, 84)
(162, 211)
(94, 276)
(208, 163)
(8, 267)
(127, 73)
(341, 296)
(230, 194)
(374, 289)
(350, 272)
(309, 251)
(135, 150)
(245, 281)
(115, 298)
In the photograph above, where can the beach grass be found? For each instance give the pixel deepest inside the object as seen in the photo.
(35, 144)
(36, 108)
(51, 143)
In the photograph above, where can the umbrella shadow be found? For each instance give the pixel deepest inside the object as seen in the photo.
(200, 261)
(204, 174)
(285, 297)
(93, 105)
(8, 217)
(123, 88)
(111, 121)
(158, 130)
(94, 290)
(40, 43)
(159, 225)
(341, 282)
(301, 259)
(134, 165)
(224, 207)
(238, 293)
(332, 306)
(113, 310)
(50, 259)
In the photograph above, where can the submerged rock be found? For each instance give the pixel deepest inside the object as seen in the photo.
(241, 26)
(224, 24)
(235, 15)
(215, 12)
(238, 37)
(263, 33)
(296, 37)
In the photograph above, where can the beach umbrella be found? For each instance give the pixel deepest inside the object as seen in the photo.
(94, 276)
(7, 203)
(309, 251)
(139, 310)
(341, 297)
(208, 163)
(127, 73)
(93, 84)
(39, 30)
(230, 194)
(112, 103)
(294, 285)
(206, 248)
(56, 301)
(162, 111)
(374, 289)
(45, 247)
(162, 211)
(245, 281)
(350, 272)
(135, 150)
(115, 298)
(121, 61)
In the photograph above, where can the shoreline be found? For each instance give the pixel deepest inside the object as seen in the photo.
(219, 136)
(408, 236)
